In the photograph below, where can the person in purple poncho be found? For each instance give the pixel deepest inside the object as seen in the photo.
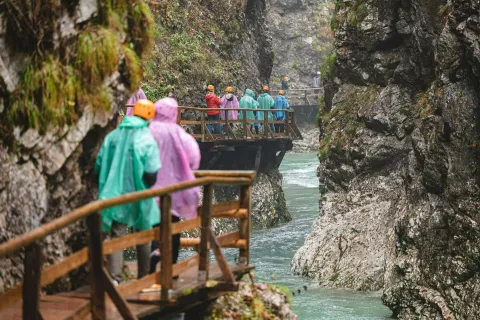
(180, 154)
(139, 94)
(229, 101)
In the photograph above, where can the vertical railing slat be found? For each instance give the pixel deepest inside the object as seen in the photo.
(95, 255)
(245, 203)
(31, 282)
(206, 217)
(166, 246)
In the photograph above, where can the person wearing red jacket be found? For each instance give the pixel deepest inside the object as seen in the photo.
(213, 112)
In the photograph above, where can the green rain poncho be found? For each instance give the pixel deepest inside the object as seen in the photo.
(248, 102)
(126, 154)
(265, 102)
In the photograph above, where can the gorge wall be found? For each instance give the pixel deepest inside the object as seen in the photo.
(301, 39)
(58, 98)
(400, 158)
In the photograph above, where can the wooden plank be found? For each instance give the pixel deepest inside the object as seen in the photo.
(265, 123)
(95, 246)
(189, 242)
(228, 238)
(183, 265)
(231, 214)
(166, 246)
(10, 297)
(206, 216)
(209, 134)
(245, 201)
(116, 297)
(221, 173)
(271, 133)
(244, 121)
(221, 261)
(131, 240)
(137, 285)
(186, 225)
(80, 313)
(31, 282)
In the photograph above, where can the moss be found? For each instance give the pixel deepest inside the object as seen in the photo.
(58, 83)
(97, 54)
(341, 123)
(329, 67)
(141, 27)
(47, 97)
(134, 70)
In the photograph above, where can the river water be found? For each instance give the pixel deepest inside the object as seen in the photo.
(272, 251)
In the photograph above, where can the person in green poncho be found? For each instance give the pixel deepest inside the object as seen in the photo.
(248, 102)
(265, 102)
(128, 161)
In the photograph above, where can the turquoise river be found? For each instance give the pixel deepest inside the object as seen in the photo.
(273, 249)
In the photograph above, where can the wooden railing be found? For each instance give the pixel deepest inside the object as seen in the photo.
(241, 129)
(302, 97)
(100, 283)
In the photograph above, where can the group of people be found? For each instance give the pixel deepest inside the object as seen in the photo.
(147, 150)
(255, 109)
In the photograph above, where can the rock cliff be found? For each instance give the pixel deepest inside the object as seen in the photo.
(400, 158)
(301, 39)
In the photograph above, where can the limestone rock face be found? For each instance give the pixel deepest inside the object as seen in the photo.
(48, 175)
(400, 162)
(301, 39)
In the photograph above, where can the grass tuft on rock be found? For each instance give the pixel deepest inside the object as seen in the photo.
(97, 54)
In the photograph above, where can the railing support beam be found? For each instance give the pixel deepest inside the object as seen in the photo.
(31, 282)
(95, 254)
(166, 246)
(245, 203)
(206, 218)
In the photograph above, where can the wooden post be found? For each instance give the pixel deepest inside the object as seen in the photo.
(285, 130)
(206, 216)
(95, 257)
(244, 113)
(202, 120)
(221, 260)
(166, 246)
(245, 203)
(117, 299)
(31, 282)
(179, 115)
(265, 123)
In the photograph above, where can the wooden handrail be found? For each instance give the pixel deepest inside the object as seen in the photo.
(205, 109)
(83, 212)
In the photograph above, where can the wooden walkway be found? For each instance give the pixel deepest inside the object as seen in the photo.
(198, 280)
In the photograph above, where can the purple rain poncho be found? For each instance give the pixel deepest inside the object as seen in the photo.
(229, 101)
(180, 154)
(139, 94)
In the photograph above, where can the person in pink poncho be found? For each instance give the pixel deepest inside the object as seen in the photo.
(229, 101)
(139, 94)
(179, 154)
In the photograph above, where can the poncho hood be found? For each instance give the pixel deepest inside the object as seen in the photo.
(166, 110)
(133, 122)
(139, 94)
(250, 93)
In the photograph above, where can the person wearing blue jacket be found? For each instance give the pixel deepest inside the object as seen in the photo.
(280, 103)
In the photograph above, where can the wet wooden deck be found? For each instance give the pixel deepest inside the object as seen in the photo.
(186, 290)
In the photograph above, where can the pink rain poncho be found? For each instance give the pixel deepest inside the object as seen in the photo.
(139, 94)
(229, 101)
(179, 154)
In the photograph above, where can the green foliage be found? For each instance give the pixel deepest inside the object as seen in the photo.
(328, 67)
(194, 45)
(58, 82)
(97, 54)
(48, 96)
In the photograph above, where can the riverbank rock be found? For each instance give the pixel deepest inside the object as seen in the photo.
(269, 207)
(253, 301)
(400, 162)
(310, 139)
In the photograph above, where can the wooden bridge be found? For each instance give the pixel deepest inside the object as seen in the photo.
(304, 102)
(199, 280)
(235, 130)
